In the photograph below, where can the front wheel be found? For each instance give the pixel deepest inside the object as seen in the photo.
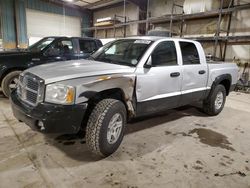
(105, 127)
(9, 82)
(215, 102)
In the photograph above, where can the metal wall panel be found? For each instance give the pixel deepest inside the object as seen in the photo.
(41, 24)
(13, 19)
(8, 23)
(21, 24)
(52, 8)
(85, 15)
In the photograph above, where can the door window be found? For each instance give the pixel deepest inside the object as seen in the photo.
(164, 54)
(189, 53)
(87, 46)
(61, 48)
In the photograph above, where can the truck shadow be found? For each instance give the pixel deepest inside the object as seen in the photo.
(146, 122)
(75, 147)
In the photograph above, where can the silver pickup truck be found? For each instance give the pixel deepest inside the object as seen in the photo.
(124, 79)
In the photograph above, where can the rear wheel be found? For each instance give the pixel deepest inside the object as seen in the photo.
(106, 126)
(215, 102)
(9, 82)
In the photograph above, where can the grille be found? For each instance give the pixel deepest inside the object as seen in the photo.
(30, 88)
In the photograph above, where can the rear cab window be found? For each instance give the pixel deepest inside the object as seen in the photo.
(190, 55)
(87, 46)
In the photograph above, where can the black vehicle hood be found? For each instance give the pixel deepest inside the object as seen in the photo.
(17, 58)
(14, 53)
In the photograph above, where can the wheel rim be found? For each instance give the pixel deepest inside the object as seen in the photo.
(13, 83)
(219, 100)
(114, 128)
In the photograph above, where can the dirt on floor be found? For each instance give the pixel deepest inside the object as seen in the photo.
(179, 148)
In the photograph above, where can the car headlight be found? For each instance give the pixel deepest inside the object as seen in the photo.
(60, 94)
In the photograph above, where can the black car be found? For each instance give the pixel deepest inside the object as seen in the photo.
(47, 50)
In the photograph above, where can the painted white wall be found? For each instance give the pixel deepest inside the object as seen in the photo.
(42, 24)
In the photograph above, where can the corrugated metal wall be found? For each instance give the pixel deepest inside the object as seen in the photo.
(52, 8)
(21, 24)
(8, 24)
(13, 19)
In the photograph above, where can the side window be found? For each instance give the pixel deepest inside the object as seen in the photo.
(87, 46)
(190, 54)
(164, 54)
(62, 47)
(99, 43)
(67, 46)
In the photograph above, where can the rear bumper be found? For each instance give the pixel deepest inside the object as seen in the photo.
(53, 118)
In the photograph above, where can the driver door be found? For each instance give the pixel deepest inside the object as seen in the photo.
(159, 85)
(59, 51)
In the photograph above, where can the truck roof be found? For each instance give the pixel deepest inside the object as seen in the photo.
(58, 37)
(156, 38)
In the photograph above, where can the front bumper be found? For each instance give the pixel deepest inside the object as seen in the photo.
(55, 118)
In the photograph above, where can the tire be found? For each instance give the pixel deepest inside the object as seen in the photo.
(99, 125)
(8, 81)
(212, 105)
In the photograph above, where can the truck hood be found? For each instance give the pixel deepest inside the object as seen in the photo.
(65, 70)
(20, 56)
(14, 53)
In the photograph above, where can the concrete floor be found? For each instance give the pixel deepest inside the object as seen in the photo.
(181, 148)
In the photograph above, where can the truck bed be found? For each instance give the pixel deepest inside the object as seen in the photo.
(217, 68)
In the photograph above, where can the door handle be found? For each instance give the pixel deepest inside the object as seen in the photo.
(202, 72)
(174, 74)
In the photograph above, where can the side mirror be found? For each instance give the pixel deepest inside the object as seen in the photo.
(209, 57)
(148, 64)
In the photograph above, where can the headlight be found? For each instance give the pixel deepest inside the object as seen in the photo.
(60, 94)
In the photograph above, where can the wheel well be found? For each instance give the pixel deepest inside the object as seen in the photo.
(8, 71)
(226, 83)
(115, 93)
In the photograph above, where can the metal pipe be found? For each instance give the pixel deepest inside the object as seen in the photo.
(147, 17)
(124, 8)
(218, 28)
(16, 23)
(228, 29)
(171, 20)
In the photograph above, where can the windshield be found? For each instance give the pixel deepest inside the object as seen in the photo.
(41, 44)
(123, 52)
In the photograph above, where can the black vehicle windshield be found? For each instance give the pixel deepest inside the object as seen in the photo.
(41, 44)
(123, 52)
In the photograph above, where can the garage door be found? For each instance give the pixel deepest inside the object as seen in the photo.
(42, 24)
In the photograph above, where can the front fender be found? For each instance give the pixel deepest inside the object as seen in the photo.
(88, 87)
(102, 83)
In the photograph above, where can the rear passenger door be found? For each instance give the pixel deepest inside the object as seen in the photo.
(195, 73)
(87, 47)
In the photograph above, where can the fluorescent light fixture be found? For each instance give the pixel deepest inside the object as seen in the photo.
(103, 19)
